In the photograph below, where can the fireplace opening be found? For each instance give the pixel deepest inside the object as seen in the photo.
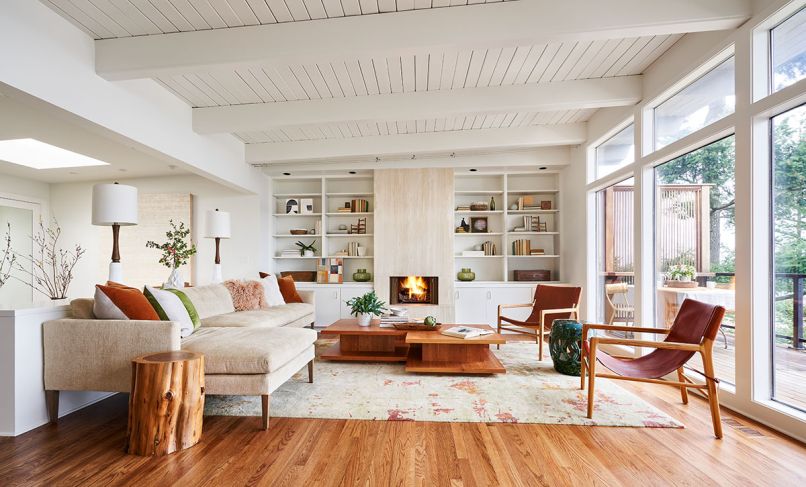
(413, 290)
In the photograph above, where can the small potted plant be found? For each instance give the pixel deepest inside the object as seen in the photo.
(176, 252)
(308, 250)
(365, 307)
(681, 275)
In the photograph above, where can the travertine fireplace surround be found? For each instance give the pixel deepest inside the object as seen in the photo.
(414, 232)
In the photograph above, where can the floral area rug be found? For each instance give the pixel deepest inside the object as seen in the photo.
(530, 392)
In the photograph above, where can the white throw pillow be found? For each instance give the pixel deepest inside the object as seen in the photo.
(169, 307)
(272, 290)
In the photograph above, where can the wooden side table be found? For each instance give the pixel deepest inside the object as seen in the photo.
(166, 404)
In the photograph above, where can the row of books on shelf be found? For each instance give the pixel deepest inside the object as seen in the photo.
(532, 203)
(354, 206)
(524, 247)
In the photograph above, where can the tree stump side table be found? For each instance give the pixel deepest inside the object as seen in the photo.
(166, 403)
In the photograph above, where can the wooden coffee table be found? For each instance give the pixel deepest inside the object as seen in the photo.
(431, 351)
(366, 343)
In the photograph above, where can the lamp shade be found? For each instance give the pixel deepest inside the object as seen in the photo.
(218, 224)
(114, 204)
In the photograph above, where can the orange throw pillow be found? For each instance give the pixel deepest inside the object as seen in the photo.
(116, 301)
(289, 290)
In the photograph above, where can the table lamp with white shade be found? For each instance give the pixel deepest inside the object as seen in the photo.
(218, 227)
(114, 205)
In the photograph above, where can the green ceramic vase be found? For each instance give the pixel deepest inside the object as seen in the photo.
(466, 274)
(361, 275)
(565, 346)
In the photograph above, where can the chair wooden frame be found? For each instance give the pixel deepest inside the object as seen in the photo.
(540, 329)
(705, 349)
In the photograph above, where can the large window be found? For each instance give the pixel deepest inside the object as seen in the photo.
(701, 103)
(615, 293)
(695, 241)
(789, 256)
(788, 41)
(617, 152)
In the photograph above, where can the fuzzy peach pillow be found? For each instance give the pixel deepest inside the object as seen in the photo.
(246, 295)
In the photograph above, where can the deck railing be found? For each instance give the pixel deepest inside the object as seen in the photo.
(798, 288)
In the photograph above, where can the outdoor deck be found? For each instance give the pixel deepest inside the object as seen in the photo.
(790, 373)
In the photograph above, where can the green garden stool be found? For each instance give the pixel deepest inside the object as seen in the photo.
(565, 346)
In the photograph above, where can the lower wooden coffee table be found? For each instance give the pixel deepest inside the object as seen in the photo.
(372, 343)
(431, 351)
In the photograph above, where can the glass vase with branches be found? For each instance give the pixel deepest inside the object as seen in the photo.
(51, 267)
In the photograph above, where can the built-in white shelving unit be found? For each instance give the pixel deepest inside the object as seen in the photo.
(328, 193)
(505, 189)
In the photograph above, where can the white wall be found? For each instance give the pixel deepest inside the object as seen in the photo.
(241, 256)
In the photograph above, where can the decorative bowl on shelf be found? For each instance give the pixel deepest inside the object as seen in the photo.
(362, 276)
(298, 231)
(466, 275)
(479, 206)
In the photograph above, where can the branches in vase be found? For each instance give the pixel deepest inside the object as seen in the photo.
(8, 259)
(51, 267)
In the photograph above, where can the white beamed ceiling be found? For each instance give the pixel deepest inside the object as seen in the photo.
(162, 39)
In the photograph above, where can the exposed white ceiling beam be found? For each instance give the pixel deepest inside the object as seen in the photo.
(563, 95)
(533, 136)
(485, 25)
(550, 157)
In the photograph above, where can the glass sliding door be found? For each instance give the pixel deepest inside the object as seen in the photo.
(695, 241)
(789, 256)
(615, 290)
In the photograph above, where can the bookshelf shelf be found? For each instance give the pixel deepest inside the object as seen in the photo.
(328, 193)
(508, 189)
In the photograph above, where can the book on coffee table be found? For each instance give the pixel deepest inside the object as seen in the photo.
(466, 332)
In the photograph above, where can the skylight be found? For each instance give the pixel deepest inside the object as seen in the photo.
(39, 155)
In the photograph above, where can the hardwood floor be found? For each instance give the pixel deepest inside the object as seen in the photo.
(86, 448)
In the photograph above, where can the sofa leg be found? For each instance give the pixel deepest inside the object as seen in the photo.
(265, 403)
(52, 402)
(310, 372)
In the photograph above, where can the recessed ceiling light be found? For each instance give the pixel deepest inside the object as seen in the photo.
(39, 155)
(542, 168)
(286, 174)
(473, 170)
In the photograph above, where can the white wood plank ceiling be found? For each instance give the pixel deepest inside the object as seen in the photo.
(109, 19)
(428, 71)
(447, 124)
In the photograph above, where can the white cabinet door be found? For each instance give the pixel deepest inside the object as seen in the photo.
(509, 295)
(348, 293)
(471, 305)
(328, 307)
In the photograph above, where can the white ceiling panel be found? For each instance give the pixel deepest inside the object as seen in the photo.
(471, 121)
(428, 71)
(106, 19)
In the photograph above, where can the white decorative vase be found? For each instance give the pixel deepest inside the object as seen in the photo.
(174, 281)
(362, 251)
(684, 279)
(308, 253)
(364, 319)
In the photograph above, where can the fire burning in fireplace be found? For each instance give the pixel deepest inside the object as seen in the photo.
(413, 290)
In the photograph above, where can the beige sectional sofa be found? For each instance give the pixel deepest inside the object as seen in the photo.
(247, 353)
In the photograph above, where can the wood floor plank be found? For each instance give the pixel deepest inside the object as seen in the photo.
(86, 449)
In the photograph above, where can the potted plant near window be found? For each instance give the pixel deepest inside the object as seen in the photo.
(175, 253)
(681, 275)
(365, 307)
